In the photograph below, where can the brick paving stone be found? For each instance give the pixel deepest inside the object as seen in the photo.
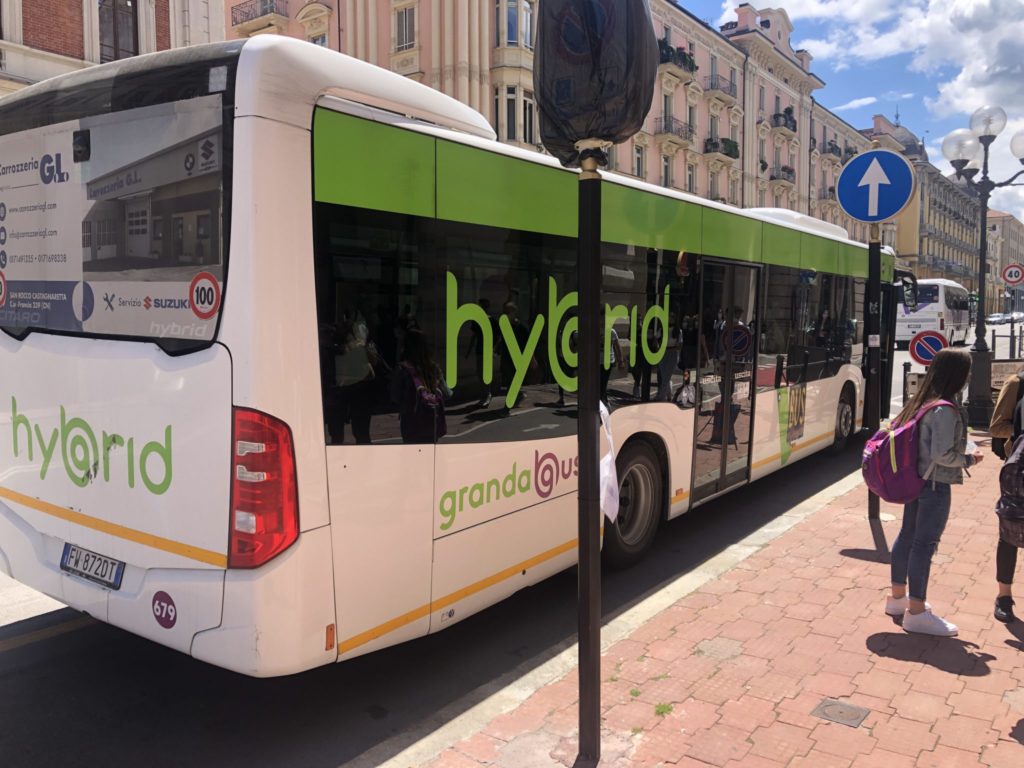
(454, 760)
(753, 761)
(833, 685)
(796, 664)
(931, 680)
(748, 712)
(816, 759)
(842, 740)
(719, 689)
(781, 741)
(967, 733)
(1005, 754)
(719, 745)
(665, 742)
(774, 686)
(817, 646)
(630, 715)
(882, 758)
(742, 629)
(923, 707)
(947, 757)
(906, 737)
(977, 704)
(480, 747)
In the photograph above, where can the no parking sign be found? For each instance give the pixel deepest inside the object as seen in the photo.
(926, 345)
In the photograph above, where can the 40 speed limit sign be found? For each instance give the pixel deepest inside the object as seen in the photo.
(204, 295)
(1013, 274)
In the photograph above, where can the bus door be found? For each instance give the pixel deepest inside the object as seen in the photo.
(725, 397)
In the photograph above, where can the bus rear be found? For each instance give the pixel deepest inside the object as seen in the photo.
(132, 486)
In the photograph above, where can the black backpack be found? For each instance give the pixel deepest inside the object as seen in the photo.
(999, 443)
(1011, 484)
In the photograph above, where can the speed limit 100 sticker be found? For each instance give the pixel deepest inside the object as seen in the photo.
(3, 289)
(204, 295)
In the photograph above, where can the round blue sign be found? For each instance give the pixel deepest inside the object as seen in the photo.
(875, 185)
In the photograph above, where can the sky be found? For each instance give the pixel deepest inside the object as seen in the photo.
(935, 60)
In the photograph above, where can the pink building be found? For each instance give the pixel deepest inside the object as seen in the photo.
(733, 119)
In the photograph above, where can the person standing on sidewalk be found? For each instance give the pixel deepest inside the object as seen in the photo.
(942, 456)
(1005, 428)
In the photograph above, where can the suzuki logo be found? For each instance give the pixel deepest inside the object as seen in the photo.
(206, 150)
(147, 303)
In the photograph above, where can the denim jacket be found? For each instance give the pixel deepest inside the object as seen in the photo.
(942, 440)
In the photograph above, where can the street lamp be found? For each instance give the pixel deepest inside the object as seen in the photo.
(960, 147)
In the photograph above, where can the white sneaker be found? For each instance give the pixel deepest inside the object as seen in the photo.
(927, 623)
(897, 606)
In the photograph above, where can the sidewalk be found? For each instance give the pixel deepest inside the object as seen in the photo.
(731, 674)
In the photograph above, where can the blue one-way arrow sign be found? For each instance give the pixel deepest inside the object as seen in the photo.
(875, 185)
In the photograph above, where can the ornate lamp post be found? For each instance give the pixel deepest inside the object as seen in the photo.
(961, 147)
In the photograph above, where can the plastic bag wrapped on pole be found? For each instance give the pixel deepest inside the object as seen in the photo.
(594, 70)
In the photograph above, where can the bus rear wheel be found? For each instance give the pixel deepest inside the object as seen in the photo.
(844, 420)
(628, 539)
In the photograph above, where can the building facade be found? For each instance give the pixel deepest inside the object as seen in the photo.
(44, 38)
(1005, 247)
(733, 119)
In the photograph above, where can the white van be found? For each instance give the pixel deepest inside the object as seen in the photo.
(942, 305)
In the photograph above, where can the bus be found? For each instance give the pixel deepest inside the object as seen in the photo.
(220, 262)
(942, 305)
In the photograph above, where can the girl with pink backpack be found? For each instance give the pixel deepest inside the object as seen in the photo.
(942, 456)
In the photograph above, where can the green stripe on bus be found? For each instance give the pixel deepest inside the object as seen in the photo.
(781, 246)
(818, 253)
(730, 236)
(632, 217)
(479, 187)
(368, 165)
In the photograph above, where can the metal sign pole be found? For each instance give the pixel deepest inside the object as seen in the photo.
(873, 321)
(590, 354)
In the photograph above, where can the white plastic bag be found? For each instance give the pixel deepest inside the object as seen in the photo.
(609, 476)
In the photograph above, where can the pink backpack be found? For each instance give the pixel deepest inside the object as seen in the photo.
(889, 462)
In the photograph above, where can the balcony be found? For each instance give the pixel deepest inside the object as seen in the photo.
(849, 153)
(827, 195)
(721, 88)
(676, 61)
(784, 175)
(831, 154)
(721, 149)
(784, 123)
(254, 16)
(671, 131)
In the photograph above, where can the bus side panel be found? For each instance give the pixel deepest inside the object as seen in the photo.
(480, 566)
(673, 427)
(381, 530)
(275, 621)
(269, 315)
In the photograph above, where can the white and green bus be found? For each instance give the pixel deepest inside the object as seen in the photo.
(217, 266)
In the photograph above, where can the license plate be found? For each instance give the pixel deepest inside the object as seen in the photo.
(913, 325)
(92, 566)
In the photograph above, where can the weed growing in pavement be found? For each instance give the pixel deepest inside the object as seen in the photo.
(634, 692)
(662, 709)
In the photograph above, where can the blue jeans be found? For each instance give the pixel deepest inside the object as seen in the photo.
(924, 520)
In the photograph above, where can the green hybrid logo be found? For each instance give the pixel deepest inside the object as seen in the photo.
(459, 314)
(87, 458)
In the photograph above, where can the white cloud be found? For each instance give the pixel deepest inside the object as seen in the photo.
(897, 96)
(856, 104)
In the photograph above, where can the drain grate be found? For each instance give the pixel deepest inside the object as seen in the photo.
(841, 712)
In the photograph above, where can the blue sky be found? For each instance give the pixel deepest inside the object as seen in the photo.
(938, 60)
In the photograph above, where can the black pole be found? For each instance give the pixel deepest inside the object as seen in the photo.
(873, 323)
(979, 390)
(591, 357)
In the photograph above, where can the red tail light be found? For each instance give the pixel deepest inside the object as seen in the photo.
(942, 324)
(264, 496)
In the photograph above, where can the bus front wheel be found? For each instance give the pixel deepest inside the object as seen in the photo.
(627, 540)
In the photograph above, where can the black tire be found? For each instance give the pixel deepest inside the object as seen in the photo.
(844, 420)
(641, 498)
